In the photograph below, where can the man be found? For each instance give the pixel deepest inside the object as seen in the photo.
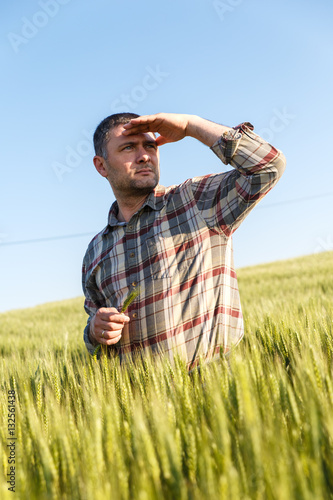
(174, 243)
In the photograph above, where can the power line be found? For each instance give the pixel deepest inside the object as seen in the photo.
(50, 238)
(80, 235)
(297, 200)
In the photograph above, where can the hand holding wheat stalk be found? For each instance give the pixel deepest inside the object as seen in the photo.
(128, 301)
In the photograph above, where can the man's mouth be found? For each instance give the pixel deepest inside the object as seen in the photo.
(144, 171)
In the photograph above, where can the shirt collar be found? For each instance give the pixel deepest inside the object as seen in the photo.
(156, 200)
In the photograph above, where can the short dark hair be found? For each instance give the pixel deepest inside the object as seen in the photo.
(101, 132)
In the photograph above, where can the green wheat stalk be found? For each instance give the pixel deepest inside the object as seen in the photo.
(130, 298)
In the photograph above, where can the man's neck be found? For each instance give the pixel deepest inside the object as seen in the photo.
(128, 207)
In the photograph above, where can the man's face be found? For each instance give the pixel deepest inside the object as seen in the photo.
(132, 164)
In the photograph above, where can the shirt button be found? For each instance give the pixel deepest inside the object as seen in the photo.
(130, 227)
(132, 254)
(135, 315)
(134, 283)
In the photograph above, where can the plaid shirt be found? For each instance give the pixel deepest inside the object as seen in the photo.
(178, 249)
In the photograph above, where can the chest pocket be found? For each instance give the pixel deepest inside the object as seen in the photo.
(169, 255)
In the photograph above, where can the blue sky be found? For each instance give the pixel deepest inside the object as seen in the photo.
(67, 64)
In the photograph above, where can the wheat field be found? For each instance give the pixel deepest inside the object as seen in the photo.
(260, 427)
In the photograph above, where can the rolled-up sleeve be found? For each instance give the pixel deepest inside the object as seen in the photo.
(227, 198)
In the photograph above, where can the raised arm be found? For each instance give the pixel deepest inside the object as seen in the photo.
(174, 127)
(228, 197)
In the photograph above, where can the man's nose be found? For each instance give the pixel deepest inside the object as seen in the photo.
(143, 156)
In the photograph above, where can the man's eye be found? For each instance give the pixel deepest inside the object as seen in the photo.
(151, 146)
(127, 147)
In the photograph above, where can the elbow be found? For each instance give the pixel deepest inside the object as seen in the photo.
(280, 164)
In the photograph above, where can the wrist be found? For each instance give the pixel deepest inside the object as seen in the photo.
(204, 130)
(193, 121)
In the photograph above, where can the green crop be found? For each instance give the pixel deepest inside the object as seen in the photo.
(258, 427)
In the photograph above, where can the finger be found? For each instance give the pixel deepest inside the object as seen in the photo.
(144, 119)
(146, 124)
(110, 341)
(161, 140)
(108, 330)
(113, 318)
(105, 335)
(113, 341)
(108, 310)
(112, 329)
(139, 129)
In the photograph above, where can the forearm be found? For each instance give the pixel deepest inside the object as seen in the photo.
(205, 131)
(173, 127)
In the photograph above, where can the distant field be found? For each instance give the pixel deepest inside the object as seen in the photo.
(261, 429)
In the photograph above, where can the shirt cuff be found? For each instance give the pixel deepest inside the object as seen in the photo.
(91, 347)
(226, 146)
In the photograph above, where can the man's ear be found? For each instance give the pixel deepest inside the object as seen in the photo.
(100, 165)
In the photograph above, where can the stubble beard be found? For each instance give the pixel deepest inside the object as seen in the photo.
(143, 186)
(135, 187)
